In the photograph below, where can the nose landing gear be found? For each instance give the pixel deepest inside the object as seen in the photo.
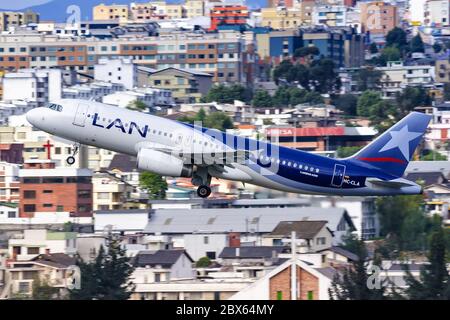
(202, 179)
(204, 191)
(71, 159)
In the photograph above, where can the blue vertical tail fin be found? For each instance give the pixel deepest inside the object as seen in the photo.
(392, 151)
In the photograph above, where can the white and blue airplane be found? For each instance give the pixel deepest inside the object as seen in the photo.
(175, 149)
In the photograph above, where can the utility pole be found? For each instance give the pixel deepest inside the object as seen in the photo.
(293, 267)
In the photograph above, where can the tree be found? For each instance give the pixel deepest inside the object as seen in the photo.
(107, 277)
(203, 262)
(416, 44)
(344, 152)
(347, 103)
(403, 218)
(366, 102)
(396, 38)
(432, 155)
(155, 185)
(218, 120)
(42, 290)
(227, 94)
(390, 54)
(437, 47)
(137, 105)
(261, 99)
(355, 280)
(410, 98)
(434, 280)
(447, 92)
(368, 79)
(373, 48)
(292, 96)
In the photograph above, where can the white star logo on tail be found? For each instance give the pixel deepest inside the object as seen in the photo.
(401, 139)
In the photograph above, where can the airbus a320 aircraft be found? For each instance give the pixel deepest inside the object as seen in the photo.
(176, 149)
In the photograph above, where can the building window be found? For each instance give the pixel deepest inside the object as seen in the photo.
(157, 277)
(29, 208)
(321, 241)
(206, 240)
(11, 214)
(310, 295)
(29, 194)
(33, 250)
(47, 191)
(59, 208)
(47, 205)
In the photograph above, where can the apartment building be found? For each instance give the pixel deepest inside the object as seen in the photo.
(212, 53)
(281, 18)
(378, 17)
(187, 86)
(9, 182)
(31, 85)
(45, 188)
(111, 12)
(330, 15)
(195, 8)
(121, 71)
(222, 15)
(395, 76)
(9, 19)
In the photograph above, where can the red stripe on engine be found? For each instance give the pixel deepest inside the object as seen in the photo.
(383, 160)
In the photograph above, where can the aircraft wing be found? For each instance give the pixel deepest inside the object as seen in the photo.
(215, 157)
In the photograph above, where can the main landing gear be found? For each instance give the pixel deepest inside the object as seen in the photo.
(202, 179)
(71, 159)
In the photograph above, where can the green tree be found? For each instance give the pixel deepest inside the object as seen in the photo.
(344, 152)
(390, 54)
(437, 47)
(368, 79)
(347, 103)
(261, 99)
(292, 96)
(227, 94)
(323, 76)
(306, 51)
(107, 277)
(434, 281)
(447, 91)
(42, 290)
(396, 38)
(432, 155)
(366, 102)
(154, 184)
(137, 105)
(410, 98)
(351, 242)
(354, 282)
(373, 48)
(218, 120)
(203, 262)
(416, 44)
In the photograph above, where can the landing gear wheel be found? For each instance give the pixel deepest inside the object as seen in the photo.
(204, 191)
(70, 160)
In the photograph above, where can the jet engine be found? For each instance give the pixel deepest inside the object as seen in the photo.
(163, 164)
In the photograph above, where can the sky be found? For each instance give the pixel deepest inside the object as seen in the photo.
(20, 4)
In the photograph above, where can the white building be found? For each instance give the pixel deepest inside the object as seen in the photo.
(121, 71)
(92, 91)
(14, 108)
(32, 243)
(33, 85)
(151, 97)
(396, 76)
(437, 13)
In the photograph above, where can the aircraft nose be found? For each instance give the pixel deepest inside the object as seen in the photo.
(33, 116)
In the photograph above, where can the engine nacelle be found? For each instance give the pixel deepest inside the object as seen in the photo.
(163, 164)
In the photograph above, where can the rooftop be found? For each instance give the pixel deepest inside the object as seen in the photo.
(303, 229)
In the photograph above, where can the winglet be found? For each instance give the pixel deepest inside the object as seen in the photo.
(392, 151)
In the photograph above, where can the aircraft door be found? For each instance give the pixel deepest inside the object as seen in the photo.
(81, 115)
(338, 175)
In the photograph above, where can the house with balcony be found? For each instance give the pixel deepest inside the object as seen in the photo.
(32, 243)
(110, 191)
(187, 86)
(52, 269)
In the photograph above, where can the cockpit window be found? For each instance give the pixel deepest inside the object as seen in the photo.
(55, 107)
